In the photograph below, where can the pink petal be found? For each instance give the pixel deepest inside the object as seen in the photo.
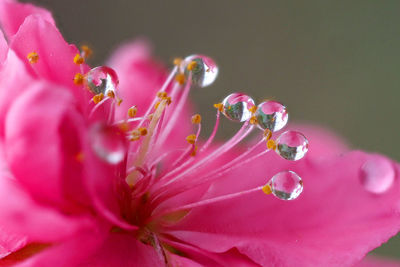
(124, 250)
(3, 48)
(42, 140)
(13, 74)
(71, 252)
(373, 261)
(55, 55)
(19, 214)
(334, 214)
(10, 242)
(13, 14)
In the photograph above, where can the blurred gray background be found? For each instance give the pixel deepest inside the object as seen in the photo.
(333, 63)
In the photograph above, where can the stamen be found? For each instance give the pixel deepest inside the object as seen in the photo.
(33, 57)
(206, 202)
(141, 157)
(191, 139)
(97, 98)
(78, 79)
(267, 189)
(86, 51)
(191, 65)
(267, 134)
(219, 106)
(253, 120)
(196, 119)
(111, 94)
(78, 59)
(132, 111)
(271, 144)
(177, 61)
(180, 78)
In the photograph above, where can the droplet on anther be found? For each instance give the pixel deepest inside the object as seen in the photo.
(292, 145)
(102, 80)
(204, 70)
(377, 174)
(286, 185)
(271, 115)
(237, 106)
(108, 143)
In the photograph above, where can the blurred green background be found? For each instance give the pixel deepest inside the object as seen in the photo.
(333, 63)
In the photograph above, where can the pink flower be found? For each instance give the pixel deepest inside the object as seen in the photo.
(90, 181)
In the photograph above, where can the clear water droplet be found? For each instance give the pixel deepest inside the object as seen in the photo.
(271, 115)
(292, 145)
(102, 80)
(286, 185)
(377, 174)
(204, 72)
(108, 143)
(236, 107)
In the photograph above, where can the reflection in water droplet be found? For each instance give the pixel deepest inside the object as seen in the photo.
(271, 115)
(108, 143)
(204, 72)
(286, 185)
(236, 107)
(377, 174)
(102, 80)
(292, 145)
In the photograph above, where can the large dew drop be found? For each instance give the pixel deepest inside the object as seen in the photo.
(102, 80)
(377, 174)
(271, 115)
(236, 107)
(108, 143)
(204, 72)
(292, 145)
(286, 185)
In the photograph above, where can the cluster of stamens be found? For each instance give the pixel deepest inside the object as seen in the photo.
(148, 133)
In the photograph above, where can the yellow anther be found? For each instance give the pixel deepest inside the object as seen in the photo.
(253, 109)
(142, 131)
(156, 105)
(267, 189)
(219, 106)
(123, 126)
(267, 134)
(86, 51)
(97, 98)
(196, 119)
(78, 59)
(191, 139)
(33, 57)
(271, 144)
(119, 102)
(135, 135)
(78, 79)
(180, 78)
(191, 65)
(162, 94)
(79, 156)
(177, 61)
(253, 120)
(194, 151)
(168, 99)
(111, 94)
(132, 111)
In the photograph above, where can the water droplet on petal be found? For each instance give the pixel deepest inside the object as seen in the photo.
(102, 80)
(377, 174)
(286, 185)
(204, 71)
(292, 145)
(108, 143)
(271, 115)
(237, 107)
